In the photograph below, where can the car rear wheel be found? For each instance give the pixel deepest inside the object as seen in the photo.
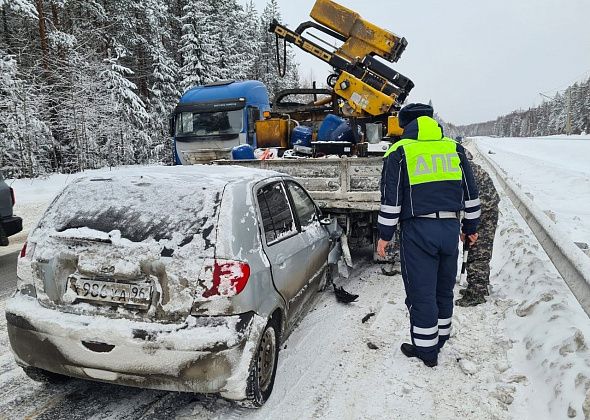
(263, 368)
(44, 376)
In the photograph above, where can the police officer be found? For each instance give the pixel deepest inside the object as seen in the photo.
(480, 254)
(426, 182)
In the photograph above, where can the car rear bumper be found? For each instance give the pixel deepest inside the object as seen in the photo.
(12, 225)
(203, 355)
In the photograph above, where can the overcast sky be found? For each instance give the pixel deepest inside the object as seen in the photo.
(475, 59)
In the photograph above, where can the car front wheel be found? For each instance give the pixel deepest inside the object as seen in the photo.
(263, 367)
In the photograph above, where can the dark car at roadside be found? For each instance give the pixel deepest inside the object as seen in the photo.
(9, 223)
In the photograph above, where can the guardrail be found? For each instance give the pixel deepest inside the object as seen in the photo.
(568, 259)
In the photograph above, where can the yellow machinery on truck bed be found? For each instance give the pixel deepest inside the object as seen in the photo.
(370, 90)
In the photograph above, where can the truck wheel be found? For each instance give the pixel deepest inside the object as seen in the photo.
(263, 367)
(44, 376)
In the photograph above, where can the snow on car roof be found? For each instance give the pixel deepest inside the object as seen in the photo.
(213, 174)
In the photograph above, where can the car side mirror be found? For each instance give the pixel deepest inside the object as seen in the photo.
(326, 221)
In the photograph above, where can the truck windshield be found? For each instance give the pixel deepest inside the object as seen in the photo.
(209, 123)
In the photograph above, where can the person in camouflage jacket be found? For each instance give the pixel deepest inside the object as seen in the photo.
(480, 254)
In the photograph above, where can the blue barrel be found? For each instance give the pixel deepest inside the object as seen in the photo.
(343, 132)
(301, 136)
(242, 152)
(330, 123)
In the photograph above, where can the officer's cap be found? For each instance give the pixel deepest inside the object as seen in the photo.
(412, 111)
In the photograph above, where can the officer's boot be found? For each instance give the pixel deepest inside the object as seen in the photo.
(471, 298)
(479, 289)
(410, 351)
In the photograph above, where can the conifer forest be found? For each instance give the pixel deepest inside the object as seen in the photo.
(90, 83)
(568, 112)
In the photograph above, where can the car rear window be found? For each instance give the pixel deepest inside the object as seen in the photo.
(140, 208)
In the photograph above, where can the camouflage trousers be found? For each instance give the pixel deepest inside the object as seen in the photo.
(480, 254)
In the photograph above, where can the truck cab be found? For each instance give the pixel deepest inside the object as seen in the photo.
(210, 120)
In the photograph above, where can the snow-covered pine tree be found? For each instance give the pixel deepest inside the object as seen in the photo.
(25, 140)
(164, 94)
(122, 91)
(22, 7)
(193, 46)
(163, 77)
(515, 125)
(576, 93)
(164, 89)
(250, 42)
(225, 33)
(525, 125)
(128, 113)
(587, 106)
(267, 64)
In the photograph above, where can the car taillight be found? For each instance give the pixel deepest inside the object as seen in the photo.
(227, 278)
(23, 251)
(12, 195)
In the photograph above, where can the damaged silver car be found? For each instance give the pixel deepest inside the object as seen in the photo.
(185, 279)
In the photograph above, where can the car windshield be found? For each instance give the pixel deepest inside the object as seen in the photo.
(209, 123)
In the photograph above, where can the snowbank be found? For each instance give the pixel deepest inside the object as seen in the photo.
(547, 326)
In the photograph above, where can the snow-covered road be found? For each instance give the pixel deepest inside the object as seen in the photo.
(523, 354)
(325, 371)
(555, 173)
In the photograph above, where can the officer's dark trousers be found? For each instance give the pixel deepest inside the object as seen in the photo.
(428, 254)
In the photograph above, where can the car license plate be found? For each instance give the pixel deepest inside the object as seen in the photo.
(139, 295)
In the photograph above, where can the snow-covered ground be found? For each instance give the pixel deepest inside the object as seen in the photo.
(555, 173)
(522, 355)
